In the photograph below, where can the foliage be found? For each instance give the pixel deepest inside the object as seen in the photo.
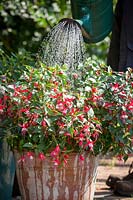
(24, 23)
(12, 66)
(47, 111)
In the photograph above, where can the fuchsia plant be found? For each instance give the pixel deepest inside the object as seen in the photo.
(49, 112)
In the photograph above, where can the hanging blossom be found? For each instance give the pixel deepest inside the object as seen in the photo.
(81, 159)
(56, 151)
(41, 156)
(24, 128)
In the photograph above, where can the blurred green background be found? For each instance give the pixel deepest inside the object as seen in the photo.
(24, 24)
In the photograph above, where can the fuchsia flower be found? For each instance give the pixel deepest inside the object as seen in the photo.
(55, 152)
(108, 105)
(124, 115)
(120, 157)
(86, 129)
(43, 123)
(2, 109)
(73, 111)
(81, 159)
(61, 124)
(75, 76)
(89, 144)
(41, 156)
(81, 117)
(2, 105)
(67, 134)
(81, 137)
(56, 95)
(61, 107)
(65, 158)
(95, 135)
(115, 87)
(129, 106)
(22, 159)
(24, 127)
(30, 155)
(86, 109)
(36, 84)
(56, 162)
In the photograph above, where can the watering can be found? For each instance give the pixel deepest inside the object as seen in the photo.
(95, 18)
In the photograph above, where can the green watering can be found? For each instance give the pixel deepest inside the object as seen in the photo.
(95, 18)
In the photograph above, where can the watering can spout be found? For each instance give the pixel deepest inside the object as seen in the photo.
(84, 33)
(95, 18)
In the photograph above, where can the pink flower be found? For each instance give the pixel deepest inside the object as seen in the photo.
(75, 76)
(22, 159)
(72, 111)
(34, 116)
(68, 101)
(81, 137)
(56, 162)
(61, 107)
(85, 129)
(36, 84)
(130, 105)
(122, 95)
(67, 134)
(81, 143)
(43, 123)
(94, 90)
(86, 109)
(30, 155)
(41, 156)
(81, 159)
(120, 157)
(123, 115)
(108, 105)
(95, 135)
(81, 117)
(61, 124)
(24, 110)
(57, 95)
(89, 144)
(115, 86)
(2, 109)
(56, 151)
(24, 128)
(65, 160)
(75, 132)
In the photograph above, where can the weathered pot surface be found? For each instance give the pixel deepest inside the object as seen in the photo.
(40, 180)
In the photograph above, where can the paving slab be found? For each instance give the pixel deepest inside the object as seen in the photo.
(110, 165)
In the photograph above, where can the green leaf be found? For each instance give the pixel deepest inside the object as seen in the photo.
(28, 145)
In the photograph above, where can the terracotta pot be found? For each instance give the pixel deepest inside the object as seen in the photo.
(40, 180)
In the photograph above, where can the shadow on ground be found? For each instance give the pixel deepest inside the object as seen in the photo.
(107, 166)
